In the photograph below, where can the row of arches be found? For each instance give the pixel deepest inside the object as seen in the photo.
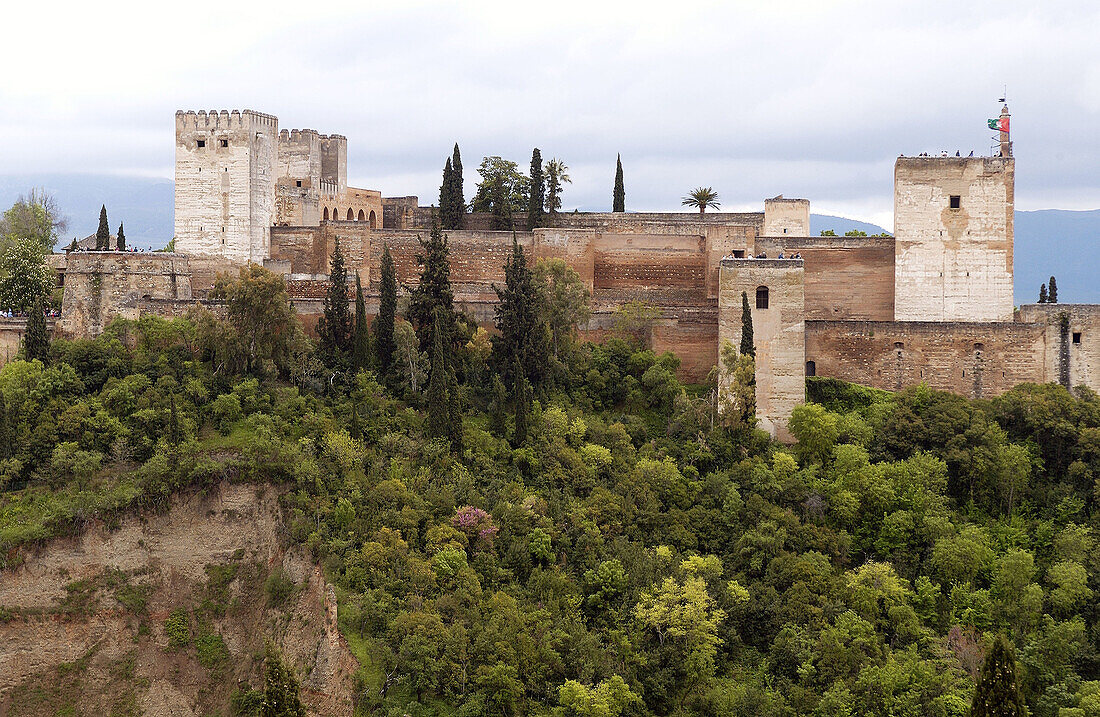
(362, 216)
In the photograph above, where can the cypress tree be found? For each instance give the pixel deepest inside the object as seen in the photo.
(360, 345)
(998, 691)
(72, 247)
(434, 291)
(521, 402)
(1052, 292)
(103, 233)
(174, 436)
(523, 333)
(619, 199)
(334, 328)
(120, 242)
(438, 425)
(36, 340)
(446, 194)
(498, 406)
(458, 196)
(5, 430)
(282, 695)
(387, 307)
(1043, 294)
(538, 192)
(454, 413)
(747, 346)
(355, 430)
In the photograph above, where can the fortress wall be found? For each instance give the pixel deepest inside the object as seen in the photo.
(846, 277)
(1072, 355)
(654, 222)
(656, 268)
(299, 156)
(784, 217)
(969, 358)
(101, 285)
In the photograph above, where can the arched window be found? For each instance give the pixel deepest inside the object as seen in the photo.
(326, 214)
(761, 297)
(350, 215)
(811, 368)
(360, 217)
(373, 220)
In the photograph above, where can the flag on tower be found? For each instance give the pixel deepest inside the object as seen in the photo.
(1000, 124)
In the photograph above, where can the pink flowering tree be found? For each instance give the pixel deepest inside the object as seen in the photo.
(475, 523)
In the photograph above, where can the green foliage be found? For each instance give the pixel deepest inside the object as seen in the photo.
(34, 217)
(25, 277)
(36, 341)
(748, 346)
(557, 176)
(618, 195)
(279, 587)
(103, 232)
(120, 240)
(282, 695)
(702, 198)
(521, 322)
(502, 192)
(434, 293)
(211, 650)
(334, 328)
(998, 691)
(537, 194)
(177, 627)
(360, 342)
(1052, 291)
(452, 203)
(384, 343)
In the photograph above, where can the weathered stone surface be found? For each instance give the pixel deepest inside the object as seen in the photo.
(1072, 355)
(778, 332)
(953, 264)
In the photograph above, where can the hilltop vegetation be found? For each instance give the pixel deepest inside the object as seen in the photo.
(527, 524)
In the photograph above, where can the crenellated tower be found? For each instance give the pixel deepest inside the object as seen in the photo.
(225, 183)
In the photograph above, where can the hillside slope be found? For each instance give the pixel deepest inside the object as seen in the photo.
(87, 620)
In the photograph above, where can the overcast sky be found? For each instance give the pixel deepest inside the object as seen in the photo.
(811, 99)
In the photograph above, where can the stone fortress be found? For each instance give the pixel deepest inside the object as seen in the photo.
(932, 304)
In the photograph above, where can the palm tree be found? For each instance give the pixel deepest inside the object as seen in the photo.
(702, 197)
(556, 176)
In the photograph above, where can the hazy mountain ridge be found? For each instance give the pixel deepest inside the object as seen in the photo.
(1048, 241)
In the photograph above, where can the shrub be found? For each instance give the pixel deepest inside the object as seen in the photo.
(177, 626)
(211, 650)
(279, 587)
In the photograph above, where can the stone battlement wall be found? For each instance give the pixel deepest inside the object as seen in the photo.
(100, 285)
(846, 277)
(1072, 355)
(975, 359)
(223, 119)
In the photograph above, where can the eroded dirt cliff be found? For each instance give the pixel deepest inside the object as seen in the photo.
(168, 614)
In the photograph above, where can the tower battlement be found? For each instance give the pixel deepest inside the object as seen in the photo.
(190, 120)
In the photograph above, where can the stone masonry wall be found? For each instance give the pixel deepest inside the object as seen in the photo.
(846, 277)
(101, 285)
(953, 264)
(225, 195)
(1072, 357)
(786, 217)
(778, 333)
(973, 359)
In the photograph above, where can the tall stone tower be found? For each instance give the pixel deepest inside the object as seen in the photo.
(776, 292)
(225, 183)
(953, 229)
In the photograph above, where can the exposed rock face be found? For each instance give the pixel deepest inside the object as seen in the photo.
(85, 617)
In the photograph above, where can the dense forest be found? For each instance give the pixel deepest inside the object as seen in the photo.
(519, 522)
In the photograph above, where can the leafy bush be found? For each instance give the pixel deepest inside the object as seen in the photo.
(177, 626)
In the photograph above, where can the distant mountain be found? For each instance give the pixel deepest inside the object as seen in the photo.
(840, 225)
(1059, 242)
(1048, 241)
(144, 205)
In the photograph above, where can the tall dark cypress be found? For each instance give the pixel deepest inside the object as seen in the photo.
(521, 403)
(103, 233)
(387, 308)
(1052, 291)
(538, 192)
(454, 413)
(5, 430)
(434, 291)
(334, 327)
(619, 199)
(360, 344)
(36, 340)
(747, 345)
(120, 242)
(174, 436)
(1043, 294)
(458, 196)
(523, 333)
(446, 195)
(498, 406)
(438, 423)
(997, 693)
